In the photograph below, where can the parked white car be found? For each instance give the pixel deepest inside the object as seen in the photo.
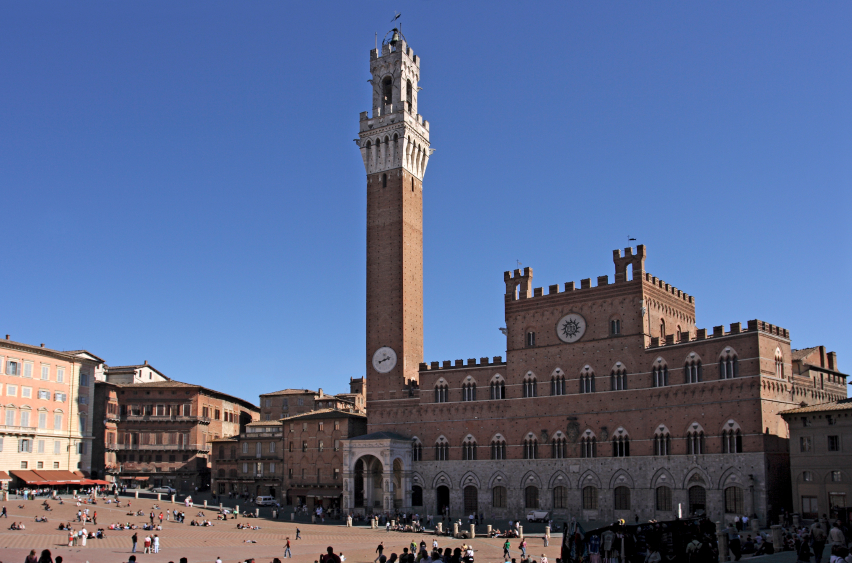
(537, 516)
(264, 501)
(164, 489)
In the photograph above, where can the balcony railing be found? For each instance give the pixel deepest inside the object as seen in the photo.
(18, 429)
(164, 418)
(168, 447)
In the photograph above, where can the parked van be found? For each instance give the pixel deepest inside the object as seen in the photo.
(537, 516)
(264, 501)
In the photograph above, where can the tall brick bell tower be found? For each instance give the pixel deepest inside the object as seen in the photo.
(394, 143)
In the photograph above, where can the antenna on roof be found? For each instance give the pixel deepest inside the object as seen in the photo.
(629, 238)
(519, 264)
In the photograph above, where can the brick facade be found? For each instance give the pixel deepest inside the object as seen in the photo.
(160, 433)
(611, 402)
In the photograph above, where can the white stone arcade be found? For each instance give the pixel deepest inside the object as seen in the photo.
(376, 473)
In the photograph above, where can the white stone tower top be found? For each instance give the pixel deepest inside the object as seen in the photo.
(396, 135)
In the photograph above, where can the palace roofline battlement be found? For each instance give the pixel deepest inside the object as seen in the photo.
(524, 280)
(718, 332)
(519, 282)
(460, 364)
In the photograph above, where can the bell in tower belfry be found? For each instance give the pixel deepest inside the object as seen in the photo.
(394, 144)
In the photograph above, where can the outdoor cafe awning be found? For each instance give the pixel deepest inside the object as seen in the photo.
(4, 476)
(48, 477)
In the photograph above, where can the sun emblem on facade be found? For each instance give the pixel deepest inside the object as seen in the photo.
(571, 327)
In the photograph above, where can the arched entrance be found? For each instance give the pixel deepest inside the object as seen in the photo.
(368, 482)
(443, 494)
(697, 500)
(471, 503)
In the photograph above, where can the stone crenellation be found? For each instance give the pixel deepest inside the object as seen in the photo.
(719, 331)
(458, 364)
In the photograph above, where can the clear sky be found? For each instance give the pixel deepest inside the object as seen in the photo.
(179, 182)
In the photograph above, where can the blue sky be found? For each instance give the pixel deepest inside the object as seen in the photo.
(179, 182)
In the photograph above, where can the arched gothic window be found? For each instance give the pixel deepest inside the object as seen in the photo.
(662, 441)
(692, 371)
(779, 364)
(409, 94)
(618, 379)
(559, 446)
(530, 386)
(695, 440)
(469, 449)
(732, 441)
(384, 176)
(621, 446)
(557, 384)
(662, 330)
(587, 380)
(498, 448)
(469, 391)
(442, 449)
(661, 375)
(416, 451)
(498, 388)
(530, 447)
(387, 91)
(588, 446)
(728, 365)
(441, 392)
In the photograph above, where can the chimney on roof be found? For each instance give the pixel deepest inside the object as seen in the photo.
(146, 362)
(7, 337)
(42, 344)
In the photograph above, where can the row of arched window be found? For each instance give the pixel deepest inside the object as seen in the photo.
(693, 373)
(731, 441)
(591, 495)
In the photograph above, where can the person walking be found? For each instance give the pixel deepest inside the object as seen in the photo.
(156, 543)
(152, 518)
(147, 545)
(84, 535)
(818, 537)
(734, 543)
(506, 547)
(523, 546)
(95, 518)
(287, 552)
(835, 536)
(134, 539)
(379, 549)
(161, 518)
(298, 534)
(3, 514)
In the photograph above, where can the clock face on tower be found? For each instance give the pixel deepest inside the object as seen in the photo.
(384, 359)
(571, 328)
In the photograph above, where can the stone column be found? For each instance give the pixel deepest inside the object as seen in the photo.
(754, 523)
(722, 540)
(472, 531)
(520, 532)
(795, 520)
(488, 530)
(439, 528)
(387, 489)
(776, 538)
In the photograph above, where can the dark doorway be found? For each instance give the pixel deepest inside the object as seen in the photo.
(416, 496)
(697, 500)
(471, 505)
(443, 499)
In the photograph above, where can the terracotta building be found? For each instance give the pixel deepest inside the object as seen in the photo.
(295, 459)
(313, 455)
(611, 401)
(46, 411)
(250, 463)
(290, 402)
(820, 441)
(159, 431)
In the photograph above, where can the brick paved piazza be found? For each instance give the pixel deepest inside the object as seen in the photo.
(223, 539)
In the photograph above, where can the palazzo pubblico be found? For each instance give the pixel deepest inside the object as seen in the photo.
(610, 403)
